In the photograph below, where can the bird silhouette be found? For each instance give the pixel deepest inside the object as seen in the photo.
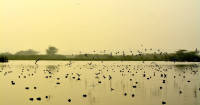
(37, 61)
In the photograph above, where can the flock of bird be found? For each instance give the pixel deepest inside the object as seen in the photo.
(102, 72)
(131, 52)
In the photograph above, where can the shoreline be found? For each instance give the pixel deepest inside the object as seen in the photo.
(92, 60)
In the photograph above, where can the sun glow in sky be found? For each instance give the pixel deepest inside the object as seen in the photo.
(76, 25)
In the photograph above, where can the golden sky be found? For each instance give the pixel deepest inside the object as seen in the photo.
(87, 25)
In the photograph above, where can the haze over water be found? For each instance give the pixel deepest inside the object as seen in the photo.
(35, 35)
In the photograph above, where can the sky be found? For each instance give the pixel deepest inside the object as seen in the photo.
(88, 25)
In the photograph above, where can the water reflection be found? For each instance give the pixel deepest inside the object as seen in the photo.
(99, 83)
(52, 69)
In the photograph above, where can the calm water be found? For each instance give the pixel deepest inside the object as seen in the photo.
(104, 83)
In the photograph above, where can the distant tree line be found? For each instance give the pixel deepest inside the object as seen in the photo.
(51, 54)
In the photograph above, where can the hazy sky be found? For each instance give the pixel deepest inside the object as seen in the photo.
(87, 25)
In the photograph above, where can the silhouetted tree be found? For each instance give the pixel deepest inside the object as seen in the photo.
(51, 50)
(184, 55)
(3, 59)
(28, 52)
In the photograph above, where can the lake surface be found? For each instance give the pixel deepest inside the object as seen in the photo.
(99, 83)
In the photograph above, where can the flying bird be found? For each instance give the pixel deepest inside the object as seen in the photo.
(37, 60)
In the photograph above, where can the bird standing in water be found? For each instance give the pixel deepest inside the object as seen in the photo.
(37, 60)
